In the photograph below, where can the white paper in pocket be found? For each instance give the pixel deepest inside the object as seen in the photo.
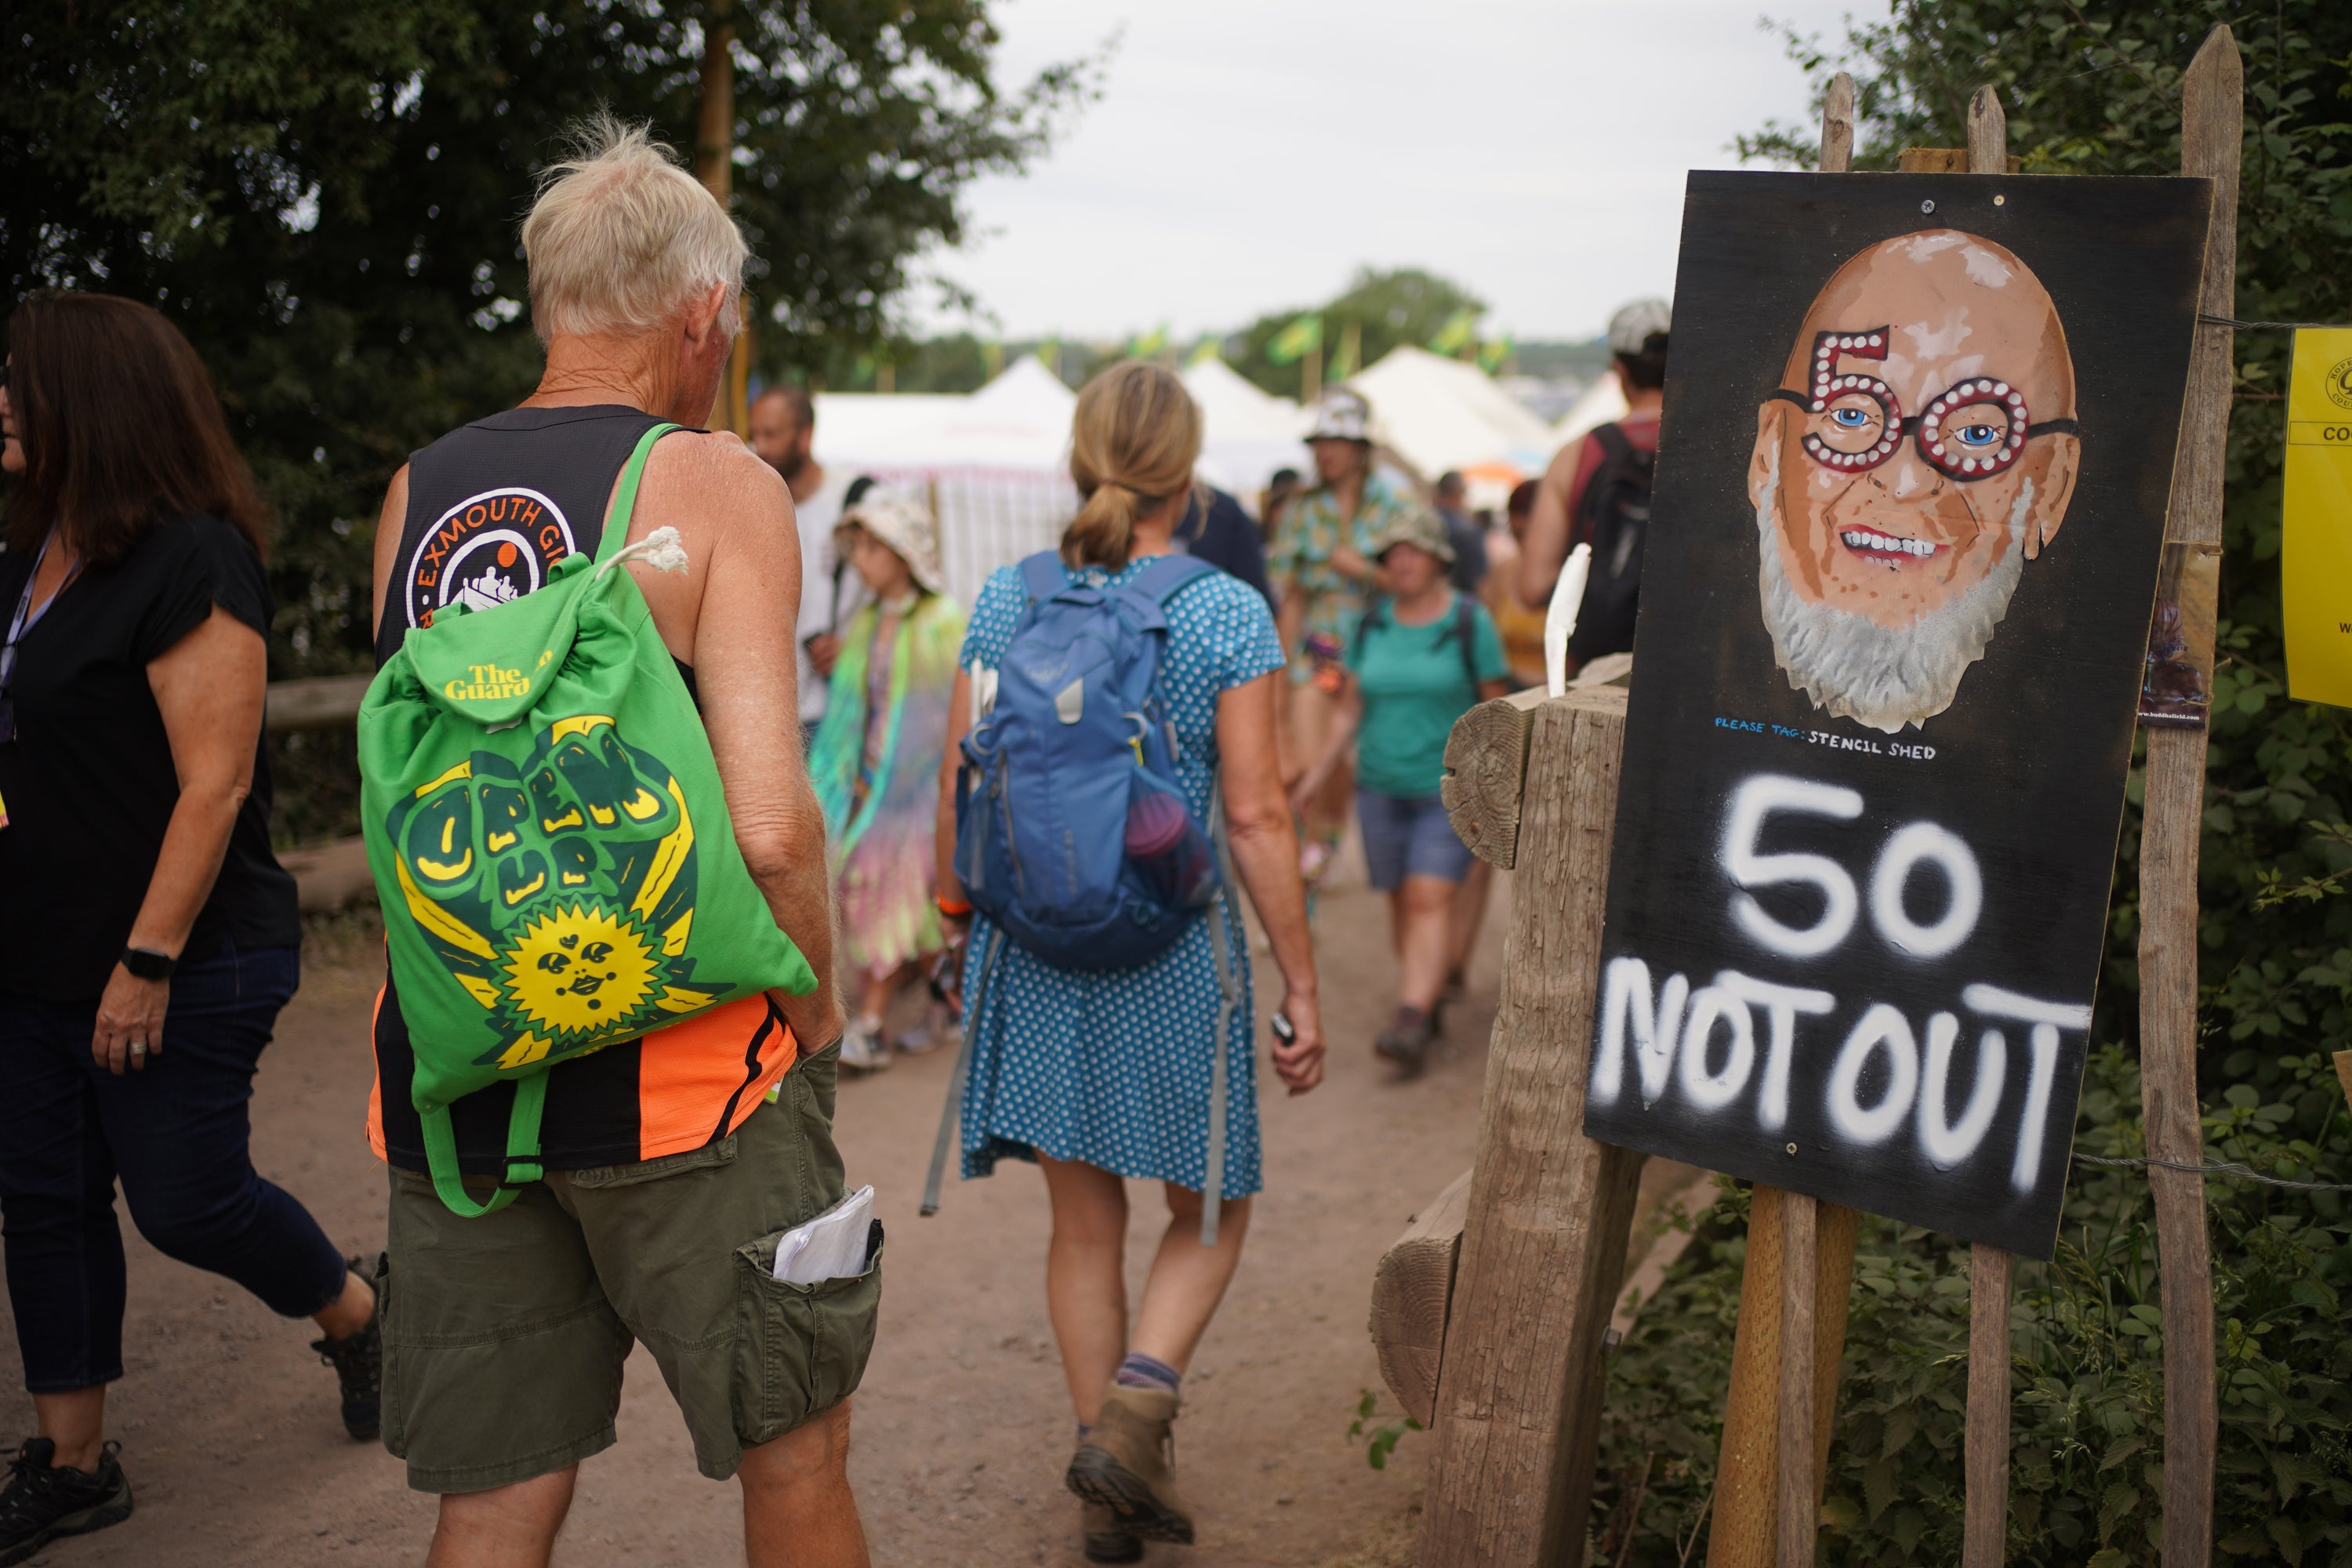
(830, 1246)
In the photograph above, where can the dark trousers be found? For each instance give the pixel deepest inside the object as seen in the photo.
(175, 1133)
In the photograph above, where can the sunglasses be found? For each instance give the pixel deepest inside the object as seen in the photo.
(1969, 431)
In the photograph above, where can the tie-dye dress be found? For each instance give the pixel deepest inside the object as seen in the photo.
(876, 764)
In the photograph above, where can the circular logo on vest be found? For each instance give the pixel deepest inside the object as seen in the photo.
(485, 551)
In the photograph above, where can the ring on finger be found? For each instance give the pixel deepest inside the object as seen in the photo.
(138, 1048)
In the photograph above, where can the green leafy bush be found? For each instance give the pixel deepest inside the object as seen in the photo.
(2085, 1473)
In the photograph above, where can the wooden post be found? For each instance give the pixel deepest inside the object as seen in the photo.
(1986, 1461)
(2211, 127)
(1746, 1529)
(1799, 1502)
(1760, 1427)
(714, 166)
(1543, 1253)
(1412, 1298)
(1985, 1464)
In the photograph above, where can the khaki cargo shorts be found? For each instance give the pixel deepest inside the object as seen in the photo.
(503, 1336)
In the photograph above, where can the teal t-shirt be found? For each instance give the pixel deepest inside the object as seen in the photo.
(1415, 685)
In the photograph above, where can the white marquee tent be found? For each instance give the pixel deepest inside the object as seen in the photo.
(1436, 414)
(993, 464)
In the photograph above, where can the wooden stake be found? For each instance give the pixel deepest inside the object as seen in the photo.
(1543, 1251)
(1985, 1538)
(1800, 1488)
(1837, 125)
(1986, 1541)
(714, 166)
(2211, 129)
(1746, 1531)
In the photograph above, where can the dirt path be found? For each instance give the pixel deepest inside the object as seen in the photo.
(230, 1437)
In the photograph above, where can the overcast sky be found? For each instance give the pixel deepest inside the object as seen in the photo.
(1248, 156)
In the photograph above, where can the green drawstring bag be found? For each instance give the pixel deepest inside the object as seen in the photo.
(551, 843)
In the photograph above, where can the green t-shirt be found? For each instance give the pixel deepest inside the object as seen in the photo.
(1415, 685)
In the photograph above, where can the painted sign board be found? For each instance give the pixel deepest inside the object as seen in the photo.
(2315, 553)
(1912, 477)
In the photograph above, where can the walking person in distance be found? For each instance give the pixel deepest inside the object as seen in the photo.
(1423, 653)
(1321, 564)
(673, 1162)
(876, 761)
(148, 937)
(1104, 1071)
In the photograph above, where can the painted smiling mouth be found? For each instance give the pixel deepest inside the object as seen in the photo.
(1876, 546)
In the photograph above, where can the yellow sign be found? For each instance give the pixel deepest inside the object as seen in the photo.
(2316, 553)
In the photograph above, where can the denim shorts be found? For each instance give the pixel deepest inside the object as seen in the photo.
(1409, 835)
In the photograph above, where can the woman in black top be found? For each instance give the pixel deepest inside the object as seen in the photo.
(148, 938)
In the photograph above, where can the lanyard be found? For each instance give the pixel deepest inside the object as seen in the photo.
(23, 621)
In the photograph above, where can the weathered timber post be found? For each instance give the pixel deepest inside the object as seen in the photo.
(1767, 1479)
(2211, 129)
(1543, 1250)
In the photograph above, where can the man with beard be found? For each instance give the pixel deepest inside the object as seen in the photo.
(1920, 450)
(784, 427)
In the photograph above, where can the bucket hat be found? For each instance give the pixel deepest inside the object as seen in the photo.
(1417, 526)
(904, 523)
(1341, 415)
(1636, 323)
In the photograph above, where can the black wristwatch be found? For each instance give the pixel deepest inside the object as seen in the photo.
(146, 963)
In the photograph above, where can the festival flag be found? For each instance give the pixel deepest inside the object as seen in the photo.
(1207, 349)
(1294, 342)
(1144, 345)
(1494, 352)
(1461, 329)
(1347, 361)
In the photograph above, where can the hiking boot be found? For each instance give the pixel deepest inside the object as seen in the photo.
(43, 1501)
(1126, 1464)
(1107, 1541)
(1406, 1041)
(863, 1048)
(358, 1361)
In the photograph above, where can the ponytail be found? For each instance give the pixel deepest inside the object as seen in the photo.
(1134, 438)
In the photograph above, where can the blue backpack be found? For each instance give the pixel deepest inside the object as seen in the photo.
(1072, 833)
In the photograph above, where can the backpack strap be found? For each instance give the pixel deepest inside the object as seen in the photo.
(952, 1114)
(1165, 577)
(522, 1150)
(1616, 452)
(1465, 631)
(1376, 605)
(1042, 576)
(624, 494)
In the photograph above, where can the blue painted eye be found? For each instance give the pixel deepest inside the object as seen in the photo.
(1849, 419)
(1980, 434)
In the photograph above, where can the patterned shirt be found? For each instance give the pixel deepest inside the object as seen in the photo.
(1312, 530)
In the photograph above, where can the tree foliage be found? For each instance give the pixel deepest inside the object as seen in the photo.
(1406, 305)
(326, 199)
(2093, 86)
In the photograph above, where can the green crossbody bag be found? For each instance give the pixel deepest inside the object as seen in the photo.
(551, 843)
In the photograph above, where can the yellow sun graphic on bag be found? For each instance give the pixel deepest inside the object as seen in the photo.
(580, 970)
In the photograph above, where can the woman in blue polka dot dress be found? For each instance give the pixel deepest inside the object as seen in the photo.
(1100, 1076)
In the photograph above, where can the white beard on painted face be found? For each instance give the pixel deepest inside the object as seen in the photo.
(1881, 677)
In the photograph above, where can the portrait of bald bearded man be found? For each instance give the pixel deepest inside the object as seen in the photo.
(1920, 452)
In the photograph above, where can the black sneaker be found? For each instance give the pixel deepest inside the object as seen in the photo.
(42, 1501)
(358, 1361)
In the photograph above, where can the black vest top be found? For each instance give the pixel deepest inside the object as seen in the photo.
(492, 507)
